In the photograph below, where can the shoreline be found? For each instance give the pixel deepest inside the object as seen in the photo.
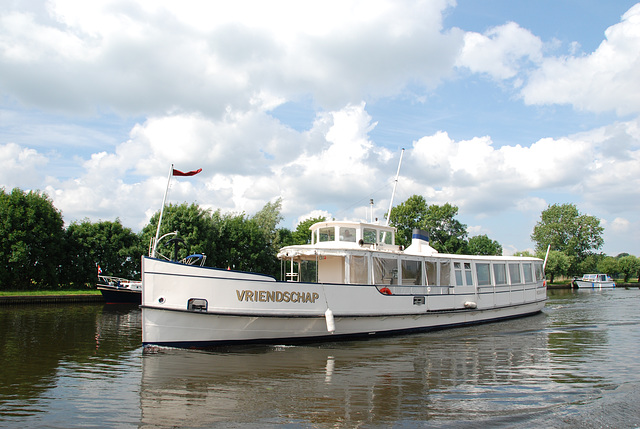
(49, 299)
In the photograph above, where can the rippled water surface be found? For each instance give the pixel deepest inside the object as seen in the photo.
(574, 365)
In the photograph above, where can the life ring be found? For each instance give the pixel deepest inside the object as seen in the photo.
(385, 291)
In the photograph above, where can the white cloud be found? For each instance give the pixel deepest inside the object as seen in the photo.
(620, 225)
(162, 57)
(604, 80)
(600, 167)
(500, 51)
(334, 161)
(21, 167)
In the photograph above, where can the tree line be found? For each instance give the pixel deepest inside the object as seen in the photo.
(38, 252)
(574, 239)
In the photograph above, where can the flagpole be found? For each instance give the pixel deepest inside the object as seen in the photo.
(164, 201)
(393, 194)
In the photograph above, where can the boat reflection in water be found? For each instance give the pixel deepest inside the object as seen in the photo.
(434, 376)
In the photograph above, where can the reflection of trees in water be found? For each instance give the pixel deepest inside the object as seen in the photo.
(579, 336)
(413, 378)
(35, 339)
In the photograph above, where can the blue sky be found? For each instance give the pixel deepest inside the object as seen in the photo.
(503, 107)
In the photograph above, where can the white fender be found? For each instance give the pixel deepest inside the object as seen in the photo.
(331, 325)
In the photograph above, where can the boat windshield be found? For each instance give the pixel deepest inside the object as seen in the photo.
(347, 234)
(352, 233)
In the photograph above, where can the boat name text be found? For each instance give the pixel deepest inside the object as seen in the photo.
(276, 296)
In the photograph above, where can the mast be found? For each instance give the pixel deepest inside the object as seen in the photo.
(544, 266)
(394, 188)
(164, 200)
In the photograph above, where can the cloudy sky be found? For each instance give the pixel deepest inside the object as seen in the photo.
(503, 107)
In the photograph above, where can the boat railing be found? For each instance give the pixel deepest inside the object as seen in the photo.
(196, 258)
(117, 281)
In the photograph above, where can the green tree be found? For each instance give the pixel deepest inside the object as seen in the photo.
(629, 266)
(483, 245)
(194, 226)
(115, 248)
(233, 241)
(609, 265)
(588, 264)
(446, 234)
(267, 220)
(557, 264)
(409, 215)
(302, 233)
(32, 245)
(568, 231)
(284, 237)
(242, 245)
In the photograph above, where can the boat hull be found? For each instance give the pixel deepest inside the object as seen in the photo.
(116, 295)
(581, 284)
(186, 306)
(201, 330)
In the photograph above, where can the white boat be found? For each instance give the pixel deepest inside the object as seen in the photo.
(595, 281)
(351, 281)
(117, 290)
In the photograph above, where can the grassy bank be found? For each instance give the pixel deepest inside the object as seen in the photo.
(61, 292)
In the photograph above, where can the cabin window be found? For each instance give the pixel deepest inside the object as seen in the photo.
(385, 271)
(468, 274)
(369, 236)
(445, 274)
(432, 273)
(483, 274)
(347, 234)
(411, 273)
(462, 271)
(197, 304)
(514, 274)
(457, 269)
(327, 234)
(528, 274)
(500, 274)
(387, 237)
(358, 270)
(539, 272)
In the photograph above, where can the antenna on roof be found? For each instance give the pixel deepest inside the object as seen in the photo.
(394, 188)
(371, 205)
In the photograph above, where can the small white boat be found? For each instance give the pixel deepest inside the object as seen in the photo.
(351, 281)
(595, 281)
(117, 290)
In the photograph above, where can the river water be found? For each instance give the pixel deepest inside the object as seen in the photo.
(574, 365)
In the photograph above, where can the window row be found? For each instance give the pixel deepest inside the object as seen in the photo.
(355, 269)
(410, 272)
(503, 273)
(350, 234)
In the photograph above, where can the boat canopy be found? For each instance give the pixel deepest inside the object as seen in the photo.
(340, 238)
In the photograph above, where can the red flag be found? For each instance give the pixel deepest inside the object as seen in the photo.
(188, 173)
